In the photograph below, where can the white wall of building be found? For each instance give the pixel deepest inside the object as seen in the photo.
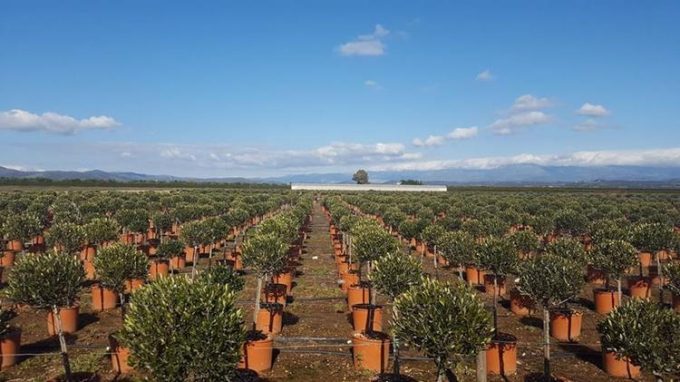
(366, 187)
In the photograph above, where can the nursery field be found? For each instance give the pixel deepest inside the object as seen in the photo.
(236, 284)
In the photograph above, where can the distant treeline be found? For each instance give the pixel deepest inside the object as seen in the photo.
(44, 182)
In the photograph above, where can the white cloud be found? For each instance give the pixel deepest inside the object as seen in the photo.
(516, 122)
(176, 153)
(126, 154)
(589, 125)
(485, 75)
(372, 85)
(591, 110)
(529, 102)
(455, 134)
(366, 45)
(21, 120)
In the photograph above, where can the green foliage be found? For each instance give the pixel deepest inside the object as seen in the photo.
(170, 248)
(394, 273)
(499, 256)
(550, 280)
(614, 257)
(361, 177)
(119, 262)
(525, 241)
(162, 221)
(432, 234)
(21, 227)
(672, 272)
(568, 248)
(224, 275)
(99, 230)
(45, 280)
(67, 237)
(265, 254)
(609, 229)
(444, 321)
(195, 233)
(370, 241)
(410, 228)
(652, 237)
(458, 248)
(571, 222)
(135, 220)
(180, 330)
(644, 332)
(542, 224)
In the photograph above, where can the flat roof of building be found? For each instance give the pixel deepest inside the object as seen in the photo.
(367, 187)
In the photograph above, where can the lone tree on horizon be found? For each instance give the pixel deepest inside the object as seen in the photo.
(361, 177)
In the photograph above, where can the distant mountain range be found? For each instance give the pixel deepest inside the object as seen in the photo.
(507, 175)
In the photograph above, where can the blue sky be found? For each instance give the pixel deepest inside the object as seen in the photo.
(274, 87)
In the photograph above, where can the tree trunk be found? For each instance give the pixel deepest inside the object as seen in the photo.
(659, 270)
(395, 346)
(546, 344)
(481, 366)
(495, 306)
(257, 301)
(62, 345)
(618, 288)
(194, 263)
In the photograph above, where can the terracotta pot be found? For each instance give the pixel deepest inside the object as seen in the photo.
(520, 305)
(349, 279)
(676, 303)
(286, 279)
(645, 259)
(344, 267)
(15, 245)
(270, 318)
(605, 300)
(367, 318)
(565, 326)
(357, 294)
(158, 269)
(619, 368)
(90, 271)
(10, 344)
(275, 293)
(640, 288)
(127, 238)
(178, 262)
(474, 275)
(501, 355)
(119, 357)
(88, 252)
(69, 320)
(189, 254)
(7, 259)
(371, 353)
(488, 285)
(257, 355)
(38, 240)
(103, 298)
(133, 284)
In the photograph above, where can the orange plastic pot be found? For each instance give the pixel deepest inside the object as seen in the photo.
(158, 269)
(119, 357)
(270, 319)
(349, 279)
(566, 326)
(367, 318)
(344, 267)
(371, 353)
(286, 279)
(357, 294)
(275, 293)
(69, 320)
(520, 305)
(605, 300)
(133, 284)
(474, 275)
(645, 259)
(178, 262)
(103, 298)
(10, 344)
(7, 259)
(15, 245)
(640, 288)
(90, 271)
(619, 368)
(501, 355)
(190, 254)
(488, 285)
(257, 355)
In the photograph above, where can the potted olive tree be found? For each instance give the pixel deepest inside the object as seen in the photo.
(66, 237)
(170, 254)
(162, 223)
(52, 282)
(159, 340)
(193, 235)
(640, 334)
(613, 257)
(115, 265)
(10, 338)
(18, 229)
(650, 239)
(552, 280)
(526, 242)
(444, 321)
(672, 270)
(392, 275)
(458, 248)
(499, 257)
